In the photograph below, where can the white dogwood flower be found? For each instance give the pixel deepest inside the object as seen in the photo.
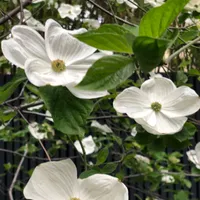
(154, 3)
(158, 106)
(70, 11)
(134, 132)
(57, 180)
(35, 132)
(91, 23)
(194, 155)
(193, 5)
(88, 144)
(59, 60)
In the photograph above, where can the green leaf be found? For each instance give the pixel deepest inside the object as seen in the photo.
(181, 195)
(149, 52)
(109, 168)
(107, 72)
(8, 89)
(111, 37)
(186, 133)
(69, 113)
(181, 78)
(88, 173)
(155, 23)
(102, 156)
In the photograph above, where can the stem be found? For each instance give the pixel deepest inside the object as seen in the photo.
(84, 154)
(16, 175)
(181, 49)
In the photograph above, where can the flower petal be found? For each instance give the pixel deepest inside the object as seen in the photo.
(197, 150)
(13, 52)
(102, 187)
(52, 180)
(164, 125)
(192, 156)
(77, 70)
(133, 102)
(36, 69)
(181, 102)
(61, 45)
(157, 88)
(88, 144)
(86, 94)
(30, 41)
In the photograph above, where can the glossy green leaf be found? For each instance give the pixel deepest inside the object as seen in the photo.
(149, 52)
(158, 19)
(102, 155)
(107, 72)
(69, 113)
(9, 88)
(111, 37)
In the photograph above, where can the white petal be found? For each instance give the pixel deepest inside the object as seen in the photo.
(34, 130)
(86, 94)
(77, 70)
(61, 45)
(38, 71)
(77, 31)
(30, 41)
(88, 144)
(133, 102)
(13, 52)
(52, 180)
(192, 156)
(104, 128)
(102, 187)
(181, 102)
(157, 88)
(164, 125)
(197, 150)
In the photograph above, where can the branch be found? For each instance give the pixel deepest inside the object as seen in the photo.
(16, 175)
(112, 15)
(14, 12)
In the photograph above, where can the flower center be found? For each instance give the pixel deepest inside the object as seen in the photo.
(156, 106)
(58, 65)
(74, 198)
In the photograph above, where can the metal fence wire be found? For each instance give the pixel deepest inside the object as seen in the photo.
(8, 155)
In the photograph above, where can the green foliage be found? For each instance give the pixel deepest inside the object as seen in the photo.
(181, 195)
(102, 156)
(107, 73)
(157, 20)
(149, 52)
(69, 113)
(109, 37)
(9, 88)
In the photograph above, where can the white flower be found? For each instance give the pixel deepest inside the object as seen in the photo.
(60, 59)
(88, 144)
(159, 106)
(141, 158)
(193, 5)
(49, 116)
(32, 22)
(67, 10)
(168, 179)
(134, 132)
(57, 180)
(34, 130)
(103, 128)
(194, 155)
(128, 3)
(92, 23)
(154, 3)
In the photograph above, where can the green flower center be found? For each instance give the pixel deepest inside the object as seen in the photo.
(58, 65)
(156, 106)
(75, 198)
